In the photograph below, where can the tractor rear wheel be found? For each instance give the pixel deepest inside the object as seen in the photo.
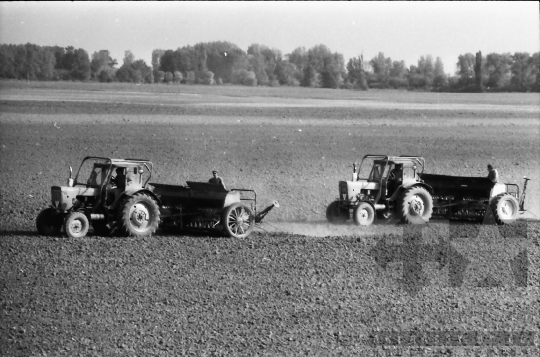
(238, 220)
(505, 208)
(49, 222)
(336, 214)
(363, 214)
(138, 216)
(76, 225)
(416, 205)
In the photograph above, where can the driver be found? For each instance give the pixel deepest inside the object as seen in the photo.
(120, 179)
(395, 177)
(396, 174)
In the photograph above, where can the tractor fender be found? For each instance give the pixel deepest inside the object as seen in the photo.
(402, 188)
(131, 192)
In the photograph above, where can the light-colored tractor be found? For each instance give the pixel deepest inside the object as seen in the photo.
(386, 187)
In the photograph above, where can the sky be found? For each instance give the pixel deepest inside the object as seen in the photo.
(401, 30)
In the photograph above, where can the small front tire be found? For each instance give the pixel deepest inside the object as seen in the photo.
(363, 214)
(76, 225)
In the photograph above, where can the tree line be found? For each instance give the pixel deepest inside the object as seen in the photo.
(224, 62)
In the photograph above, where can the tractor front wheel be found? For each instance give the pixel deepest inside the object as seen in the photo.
(416, 205)
(139, 216)
(363, 214)
(76, 225)
(238, 220)
(336, 214)
(505, 208)
(49, 222)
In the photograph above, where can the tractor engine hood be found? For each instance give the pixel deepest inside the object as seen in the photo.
(348, 190)
(63, 197)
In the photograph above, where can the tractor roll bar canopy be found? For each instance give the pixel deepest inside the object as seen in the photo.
(120, 163)
(419, 160)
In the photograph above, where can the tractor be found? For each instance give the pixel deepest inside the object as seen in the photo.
(386, 187)
(114, 196)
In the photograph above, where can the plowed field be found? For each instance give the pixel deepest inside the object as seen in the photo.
(305, 287)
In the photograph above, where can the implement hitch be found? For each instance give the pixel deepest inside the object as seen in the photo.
(259, 217)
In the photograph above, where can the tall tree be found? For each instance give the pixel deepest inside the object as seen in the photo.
(465, 69)
(439, 80)
(478, 71)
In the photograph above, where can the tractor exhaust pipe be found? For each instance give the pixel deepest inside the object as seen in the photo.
(70, 179)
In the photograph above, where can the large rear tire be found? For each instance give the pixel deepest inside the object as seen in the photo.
(416, 205)
(139, 216)
(76, 225)
(238, 220)
(363, 214)
(505, 208)
(336, 214)
(49, 222)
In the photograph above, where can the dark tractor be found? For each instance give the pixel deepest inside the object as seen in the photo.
(396, 187)
(114, 197)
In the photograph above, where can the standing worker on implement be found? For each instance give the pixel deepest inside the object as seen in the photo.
(216, 180)
(493, 175)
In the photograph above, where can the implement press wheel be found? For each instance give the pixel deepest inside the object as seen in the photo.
(505, 208)
(238, 220)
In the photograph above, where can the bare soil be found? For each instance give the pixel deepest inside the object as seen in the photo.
(315, 292)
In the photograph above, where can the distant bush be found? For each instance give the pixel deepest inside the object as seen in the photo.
(158, 77)
(178, 77)
(245, 77)
(378, 85)
(251, 82)
(168, 77)
(204, 77)
(190, 77)
(398, 83)
(105, 76)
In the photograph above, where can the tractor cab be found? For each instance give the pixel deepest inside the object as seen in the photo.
(101, 181)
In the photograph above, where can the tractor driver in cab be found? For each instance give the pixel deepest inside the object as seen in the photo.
(395, 177)
(121, 180)
(216, 180)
